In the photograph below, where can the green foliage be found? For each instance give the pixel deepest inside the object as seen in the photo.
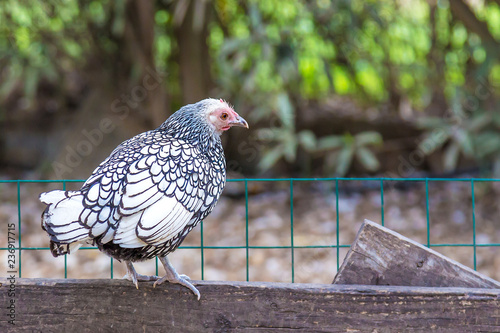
(473, 134)
(272, 56)
(30, 59)
(44, 40)
(273, 51)
(339, 151)
(342, 150)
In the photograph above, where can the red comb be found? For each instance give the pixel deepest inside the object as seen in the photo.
(220, 99)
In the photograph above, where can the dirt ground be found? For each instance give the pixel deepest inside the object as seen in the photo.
(269, 225)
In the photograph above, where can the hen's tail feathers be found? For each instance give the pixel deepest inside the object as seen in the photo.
(61, 220)
(58, 249)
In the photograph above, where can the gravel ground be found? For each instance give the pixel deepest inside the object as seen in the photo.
(314, 223)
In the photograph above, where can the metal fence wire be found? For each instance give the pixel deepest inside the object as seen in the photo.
(290, 182)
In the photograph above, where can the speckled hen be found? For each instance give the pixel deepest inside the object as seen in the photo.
(152, 190)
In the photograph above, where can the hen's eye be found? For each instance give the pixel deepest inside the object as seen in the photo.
(223, 116)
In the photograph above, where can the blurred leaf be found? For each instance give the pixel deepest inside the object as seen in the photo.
(9, 83)
(496, 119)
(431, 123)
(341, 80)
(289, 152)
(119, 20)
(330, 142)
(367, 159)
(479, 122)
(368, 138)
(286, 110)
(97, 12)
(465, 142)
(434, 140)
(487, 143)
(344, 160)
(308, 140)
(290, 147)
(23, 40)
(232, 45)
(451, 154)
(270, 158)
(30, 83)
(369, 78)
(255, 16)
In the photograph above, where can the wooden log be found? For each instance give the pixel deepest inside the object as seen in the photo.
(43, 305)
(380, 256)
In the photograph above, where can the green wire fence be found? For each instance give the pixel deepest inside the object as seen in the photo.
(290, 183)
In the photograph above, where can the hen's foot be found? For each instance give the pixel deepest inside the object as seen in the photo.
(133, 276)
(173, 277)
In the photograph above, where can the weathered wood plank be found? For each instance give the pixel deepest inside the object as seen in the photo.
(116, 306)
(380, 256)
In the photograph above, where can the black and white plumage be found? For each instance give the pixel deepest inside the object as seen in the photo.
(152, 190)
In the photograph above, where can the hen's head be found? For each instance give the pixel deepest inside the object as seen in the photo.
(219, 115)
(214, 115)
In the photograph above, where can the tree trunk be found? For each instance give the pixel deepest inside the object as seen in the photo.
(139, 33)
(191, 33)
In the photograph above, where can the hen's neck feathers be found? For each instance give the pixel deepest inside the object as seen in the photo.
(191, 125)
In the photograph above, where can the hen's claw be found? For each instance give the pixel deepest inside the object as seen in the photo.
(133, 276)
(173, 277)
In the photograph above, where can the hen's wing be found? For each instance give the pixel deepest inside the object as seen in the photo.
(150, 189)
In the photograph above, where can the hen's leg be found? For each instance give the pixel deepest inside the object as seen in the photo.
(172, 277)
(135, 278)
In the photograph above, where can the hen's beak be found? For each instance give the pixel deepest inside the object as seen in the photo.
(239, 122)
